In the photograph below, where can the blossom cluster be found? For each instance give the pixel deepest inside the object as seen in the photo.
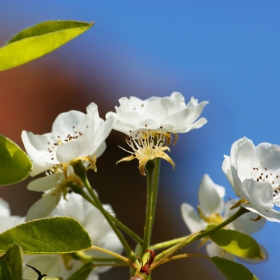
(149, 124)
(150, 127)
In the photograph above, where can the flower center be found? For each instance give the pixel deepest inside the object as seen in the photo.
(265, 175)
(147, 145)
(52, 147)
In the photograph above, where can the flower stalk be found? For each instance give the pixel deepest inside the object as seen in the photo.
(150, 167)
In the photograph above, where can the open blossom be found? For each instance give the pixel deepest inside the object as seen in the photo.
(74, 135)
(150, 124)
(213, 210)
(98, 229)
(254, 174)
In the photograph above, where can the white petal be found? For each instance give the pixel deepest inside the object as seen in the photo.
(37, 149)
(10, 222)
(4, 208)
(65, 124)
(243, 156)
(103, 132)
(245, 223)
(238, 186)
(227, 169)
(183, 120)
(43, 207)
(271, 215)
(191, 218)
(269, 155)
(46, 183)
(100, 150)
(210, 196)
(75, 149)
(260, 194)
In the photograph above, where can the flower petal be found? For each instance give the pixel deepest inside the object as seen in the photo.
(43, 207)
(4, 208)
(237, 185)
(46, 183)
(65, 124)
(36, 147)
(243, 156)
(210, 196)
(227, 168)
(75, 149)
(260, 193)
(269, 155)
(247, 223)
(191, 218)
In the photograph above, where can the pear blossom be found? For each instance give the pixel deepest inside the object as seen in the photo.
(98, 229)
(74, 136)
(213, 210)
(150, 124)
(254, 174)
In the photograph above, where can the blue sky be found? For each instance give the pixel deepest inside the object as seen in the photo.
(226, 52)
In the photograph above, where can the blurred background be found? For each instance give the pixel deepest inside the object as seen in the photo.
(225, 52)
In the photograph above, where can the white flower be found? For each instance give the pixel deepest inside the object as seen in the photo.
(254, 174)
(211, 210)
(150, 123)
(99, 231)
(74, 135)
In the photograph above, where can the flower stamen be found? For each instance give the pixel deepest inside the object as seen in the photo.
(147, 145)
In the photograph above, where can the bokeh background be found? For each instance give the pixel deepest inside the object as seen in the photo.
(226, 52)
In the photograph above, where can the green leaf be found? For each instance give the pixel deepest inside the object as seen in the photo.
(232, 270)
(237, 243)
(47, 236)
(11, 264)
(39, 40)
(82, 273)
(15, 165)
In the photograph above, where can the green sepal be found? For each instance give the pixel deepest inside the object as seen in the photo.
(237, 243)
(232, 270)
(56, 235)
(15, 165)
(79, 169)
(11, 264)
(39, 40)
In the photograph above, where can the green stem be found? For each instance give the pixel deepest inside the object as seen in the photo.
(182, 256)
(122, 226)
(82, 255)
(168, 243)
(194, 237)
(120, 257)
(155, 187)
(150, 167)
